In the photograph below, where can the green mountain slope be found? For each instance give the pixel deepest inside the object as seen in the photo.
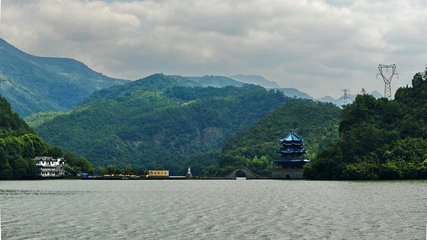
(35, 84)
(256, 147)
(379, 138)
(159, 121)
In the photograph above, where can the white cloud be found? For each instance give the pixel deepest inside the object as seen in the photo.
(319, 46)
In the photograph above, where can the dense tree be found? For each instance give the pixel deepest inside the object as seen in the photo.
(379, 139)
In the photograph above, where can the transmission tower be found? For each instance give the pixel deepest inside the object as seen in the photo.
(345, 97)
(387, 72)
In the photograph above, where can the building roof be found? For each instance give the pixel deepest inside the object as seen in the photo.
(291, 137)
(46, 158)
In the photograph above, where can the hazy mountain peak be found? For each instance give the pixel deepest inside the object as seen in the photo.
(216, 81)
(255, 79)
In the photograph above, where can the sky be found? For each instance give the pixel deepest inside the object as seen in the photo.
(317, 46)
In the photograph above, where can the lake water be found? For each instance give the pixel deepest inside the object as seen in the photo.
(185, 209)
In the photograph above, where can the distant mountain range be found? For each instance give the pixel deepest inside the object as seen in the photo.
(293, 92)
(34, 84)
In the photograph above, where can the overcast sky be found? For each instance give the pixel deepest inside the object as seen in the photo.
(317, 46)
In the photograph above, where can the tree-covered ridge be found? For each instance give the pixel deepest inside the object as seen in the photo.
(19, 145)
(10, 123)
(379, 139)
(256, 147)
(159, 122)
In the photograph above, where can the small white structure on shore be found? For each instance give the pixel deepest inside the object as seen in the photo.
(50, 167)
(189, 174)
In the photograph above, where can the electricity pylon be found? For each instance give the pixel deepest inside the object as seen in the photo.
(387, 72)
(346, 97)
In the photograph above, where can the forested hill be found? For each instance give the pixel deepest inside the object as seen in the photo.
(19, 144)
(379, 139)
(256, 147)
(33, 84)
(160, 121)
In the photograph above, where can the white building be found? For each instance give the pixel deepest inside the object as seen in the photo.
(50, 167)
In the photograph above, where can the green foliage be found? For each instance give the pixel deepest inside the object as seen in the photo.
(19, 145)
(255, 148)
(78, 164)
(159, 121)
(379, 139)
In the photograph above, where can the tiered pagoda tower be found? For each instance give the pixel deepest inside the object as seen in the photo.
(291, 161)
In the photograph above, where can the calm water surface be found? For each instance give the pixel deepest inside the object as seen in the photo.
(265, 209)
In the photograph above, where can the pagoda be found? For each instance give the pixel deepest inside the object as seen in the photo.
(291, 161)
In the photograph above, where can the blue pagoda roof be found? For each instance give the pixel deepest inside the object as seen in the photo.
(291, 137)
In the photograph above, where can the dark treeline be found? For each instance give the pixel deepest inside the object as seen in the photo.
(379, 139)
